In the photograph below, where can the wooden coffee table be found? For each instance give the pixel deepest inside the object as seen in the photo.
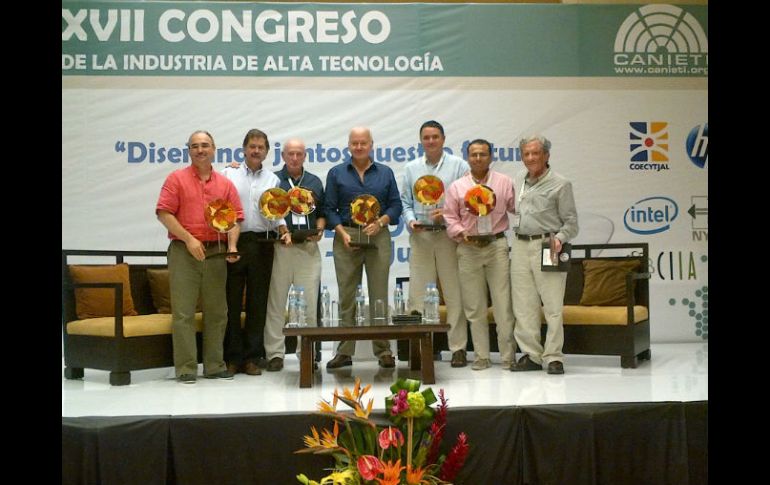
(420, 344)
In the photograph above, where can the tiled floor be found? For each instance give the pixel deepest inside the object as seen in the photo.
(677, 372)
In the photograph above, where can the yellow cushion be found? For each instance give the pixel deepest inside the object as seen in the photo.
(605, 281)
(133, 326)
(601, 315)
(100, 302)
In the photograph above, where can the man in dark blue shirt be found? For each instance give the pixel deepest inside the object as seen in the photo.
(298, 260)
(344, 183)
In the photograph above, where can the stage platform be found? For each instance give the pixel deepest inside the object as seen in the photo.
(597, 423)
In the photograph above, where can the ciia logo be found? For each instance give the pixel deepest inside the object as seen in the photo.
(697, 145)
(648, 145)
(651, 215)
(661, 40)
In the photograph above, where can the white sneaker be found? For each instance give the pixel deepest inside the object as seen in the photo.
(481, 364)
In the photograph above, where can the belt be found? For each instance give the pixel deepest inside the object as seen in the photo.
(485, 242)
(261, 235)
(527, 237)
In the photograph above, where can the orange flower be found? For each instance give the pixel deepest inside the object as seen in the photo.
(414, 476)
(363, 413)
(391, 473)
(311, 441)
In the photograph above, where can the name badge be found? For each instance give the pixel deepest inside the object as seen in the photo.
(297, 220)
(516, 220)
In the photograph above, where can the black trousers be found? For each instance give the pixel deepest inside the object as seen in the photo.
(253, 272)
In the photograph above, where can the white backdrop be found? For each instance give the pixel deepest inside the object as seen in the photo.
(124, 132)
(108, 202)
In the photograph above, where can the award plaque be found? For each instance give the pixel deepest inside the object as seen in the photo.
(220, 215)
(550, 260)
(364, 210)
(428, 191)
(301, 203)
(273, 205)
(480, 201)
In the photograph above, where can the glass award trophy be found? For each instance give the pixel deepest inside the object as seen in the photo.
(273, 205)
(301, 203)
(480, 201)
(220, 215)
(364, 210)
(428, 192)
(552, 260)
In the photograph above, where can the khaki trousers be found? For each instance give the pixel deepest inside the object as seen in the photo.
(432, 255)
(481, 268)
(298, 264)
(189, 278)
(530, 286)
(349, 266)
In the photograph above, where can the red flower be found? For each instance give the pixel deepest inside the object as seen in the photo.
(369, 466)
(456, 459)
(390, 437)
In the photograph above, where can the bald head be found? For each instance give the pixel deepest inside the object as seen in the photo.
(293, 154)
(360, 144)
(360, 131)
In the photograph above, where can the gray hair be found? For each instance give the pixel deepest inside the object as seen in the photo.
(544, 142)
(201, 131)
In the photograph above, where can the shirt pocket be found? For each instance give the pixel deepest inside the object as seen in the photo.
(542, 202)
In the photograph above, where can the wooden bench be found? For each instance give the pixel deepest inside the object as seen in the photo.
(593, 330)
(420, 347)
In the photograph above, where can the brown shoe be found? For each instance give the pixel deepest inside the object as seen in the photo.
(339, 360)
(233, 369)
(525, 364)
(387, 361)
(459, 359)
(275, 364)
(252, 369)
(556, 367)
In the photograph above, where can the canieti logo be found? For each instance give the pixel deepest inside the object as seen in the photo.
(697, 145)
(649, 143)
(651, 215)
(661, 40)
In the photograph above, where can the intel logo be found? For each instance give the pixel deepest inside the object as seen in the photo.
(651, 215)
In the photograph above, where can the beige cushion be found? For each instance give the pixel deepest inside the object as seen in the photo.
(601, 315)
(605, 281)
(100, 302)
(135, 326)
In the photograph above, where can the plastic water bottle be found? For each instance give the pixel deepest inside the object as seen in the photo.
(430, 304)
(293, 317)
(301, 307)
(360, 306)
(326, 307)
(398, 301)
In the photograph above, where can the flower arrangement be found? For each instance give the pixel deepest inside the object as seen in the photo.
(403, 449)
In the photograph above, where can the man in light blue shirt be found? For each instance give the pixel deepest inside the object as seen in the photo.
(433, 256)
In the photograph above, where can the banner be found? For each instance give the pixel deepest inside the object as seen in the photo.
(633, 143)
